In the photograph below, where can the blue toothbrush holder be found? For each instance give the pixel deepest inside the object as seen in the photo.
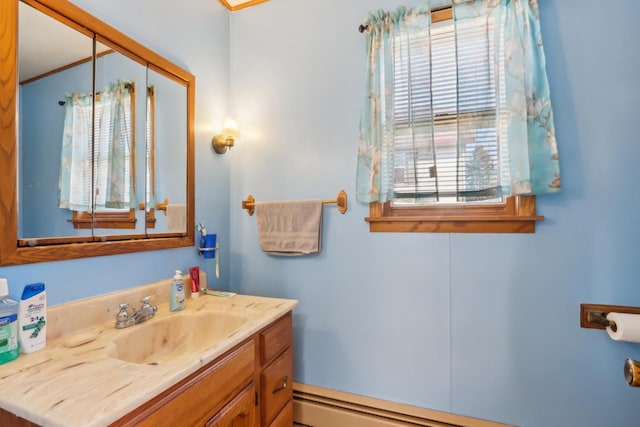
(208, 246)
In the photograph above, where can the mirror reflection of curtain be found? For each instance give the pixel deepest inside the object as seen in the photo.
(108, 167)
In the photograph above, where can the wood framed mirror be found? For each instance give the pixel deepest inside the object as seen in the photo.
(37, 223)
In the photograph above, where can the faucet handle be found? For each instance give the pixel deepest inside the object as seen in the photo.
(146, 305)
(123, 314)
(145, 300)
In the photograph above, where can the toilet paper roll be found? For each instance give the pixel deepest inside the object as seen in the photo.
(627, 327)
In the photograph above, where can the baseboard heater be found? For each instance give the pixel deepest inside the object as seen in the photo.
(320, 407)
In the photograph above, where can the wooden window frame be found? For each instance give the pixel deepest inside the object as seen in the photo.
(87, 221)
(121, 220)
(516, 215)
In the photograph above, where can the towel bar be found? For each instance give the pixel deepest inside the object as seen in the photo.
(341, 201)
(161, 206)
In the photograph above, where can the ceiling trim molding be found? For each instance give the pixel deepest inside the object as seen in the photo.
(241, 5)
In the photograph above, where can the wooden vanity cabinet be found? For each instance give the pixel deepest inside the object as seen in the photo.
(250, 386)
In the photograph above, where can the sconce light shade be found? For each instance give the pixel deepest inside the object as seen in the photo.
(226, 139)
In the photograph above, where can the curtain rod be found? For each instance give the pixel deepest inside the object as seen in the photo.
(362, 28)
(127, 86)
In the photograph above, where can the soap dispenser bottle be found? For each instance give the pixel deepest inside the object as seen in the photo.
(176, 301)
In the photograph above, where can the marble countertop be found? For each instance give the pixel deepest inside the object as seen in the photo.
(84, 386)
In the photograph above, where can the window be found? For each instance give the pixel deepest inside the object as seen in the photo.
(448, 159)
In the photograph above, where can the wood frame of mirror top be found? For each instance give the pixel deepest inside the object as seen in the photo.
(10, 253)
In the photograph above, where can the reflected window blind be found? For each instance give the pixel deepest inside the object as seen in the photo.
(445, 143)
(97, 171)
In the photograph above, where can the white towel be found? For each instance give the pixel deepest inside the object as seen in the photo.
(290, 228)
(177, 218)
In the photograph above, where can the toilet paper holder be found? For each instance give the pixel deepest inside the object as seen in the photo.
(601, 319)
(594, 316)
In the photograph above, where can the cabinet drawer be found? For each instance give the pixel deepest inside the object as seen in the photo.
(277, 385)
(276, 338)
(198, 397)
(285, 417)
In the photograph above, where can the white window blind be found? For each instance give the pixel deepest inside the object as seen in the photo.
(446, 145)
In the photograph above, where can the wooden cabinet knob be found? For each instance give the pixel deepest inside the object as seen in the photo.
(632, 372)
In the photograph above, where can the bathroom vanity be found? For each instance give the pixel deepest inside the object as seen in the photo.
(249, 386)
(220, 362)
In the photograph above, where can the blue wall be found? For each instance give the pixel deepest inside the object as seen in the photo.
(41, 126)
(482, 325)
(194, 35)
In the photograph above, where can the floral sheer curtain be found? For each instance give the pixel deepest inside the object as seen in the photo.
(98, 174)
(74, 191)
(376, 152)
(521, 113)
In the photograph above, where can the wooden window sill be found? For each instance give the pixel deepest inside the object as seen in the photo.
(116, 220)
(119, 220)
(516, 215)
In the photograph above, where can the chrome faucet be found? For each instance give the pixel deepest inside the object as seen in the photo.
(124, 319)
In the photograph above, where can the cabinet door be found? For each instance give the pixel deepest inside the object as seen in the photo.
(240, 412)
(284, 418)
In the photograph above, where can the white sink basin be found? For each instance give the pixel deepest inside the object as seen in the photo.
(159, 341)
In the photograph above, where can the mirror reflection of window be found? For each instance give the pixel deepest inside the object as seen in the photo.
(111, 156)
(107, 168)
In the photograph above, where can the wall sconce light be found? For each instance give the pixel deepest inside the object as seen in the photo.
(227, 137)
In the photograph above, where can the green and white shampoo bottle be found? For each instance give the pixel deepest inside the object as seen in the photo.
(32, 318)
